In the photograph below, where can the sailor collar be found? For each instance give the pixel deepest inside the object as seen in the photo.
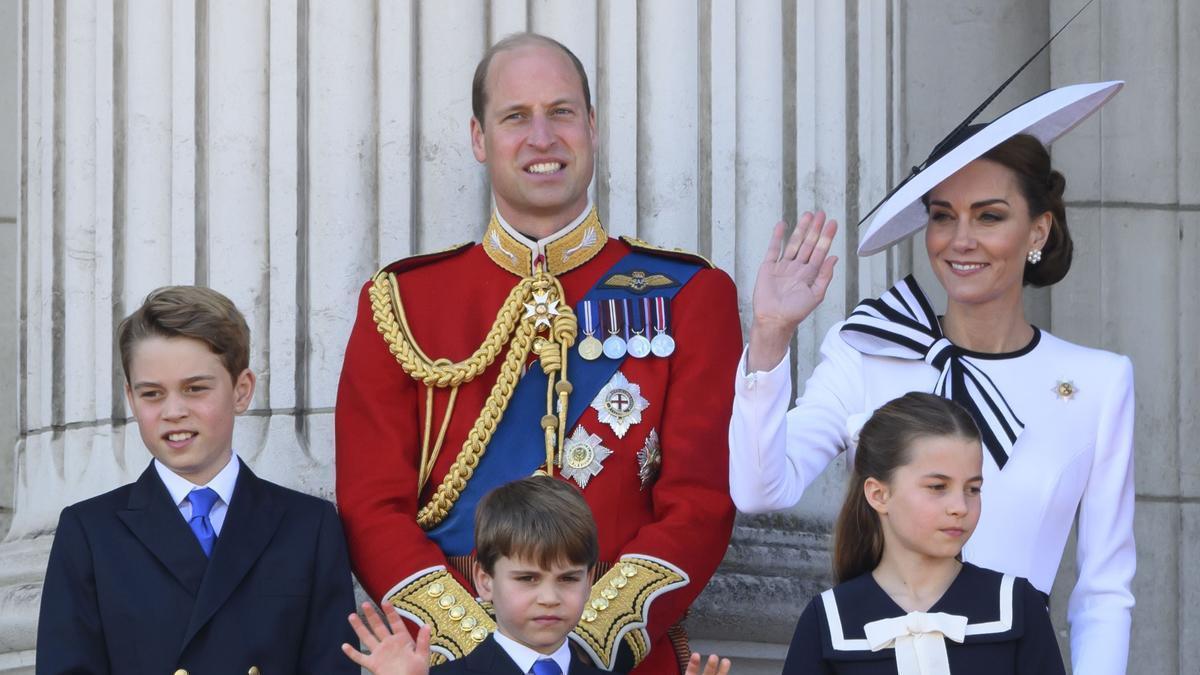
(562, 251)
(989, 600)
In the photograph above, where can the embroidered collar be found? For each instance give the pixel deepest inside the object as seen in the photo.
(562, 251)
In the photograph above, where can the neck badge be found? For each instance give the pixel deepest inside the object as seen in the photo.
(582, 456)
(620, 404)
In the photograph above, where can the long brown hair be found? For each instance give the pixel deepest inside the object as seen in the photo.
(883, 447)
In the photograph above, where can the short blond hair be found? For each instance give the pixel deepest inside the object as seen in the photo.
(539, 519)
(192, 312)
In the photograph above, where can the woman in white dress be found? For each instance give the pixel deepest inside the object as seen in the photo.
(1057, 418)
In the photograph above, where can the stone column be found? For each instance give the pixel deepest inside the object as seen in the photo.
(280, 151)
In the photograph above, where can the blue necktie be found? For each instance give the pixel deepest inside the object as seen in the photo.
(545, 667)
(202, 502)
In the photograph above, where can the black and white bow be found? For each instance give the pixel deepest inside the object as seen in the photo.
(902, 324)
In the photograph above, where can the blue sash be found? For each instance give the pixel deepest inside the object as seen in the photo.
(518, 445)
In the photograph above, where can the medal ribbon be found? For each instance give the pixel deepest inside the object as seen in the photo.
(612, 318)
(902, 324)
(660, 314)
(588, 327)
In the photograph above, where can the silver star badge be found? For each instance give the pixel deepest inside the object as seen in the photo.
(620, 404)
(1065, 390)
(582, 456)
(541, 309)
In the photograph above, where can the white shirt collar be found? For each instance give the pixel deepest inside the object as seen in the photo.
(524, 657)
(222, 483)
(539, 246)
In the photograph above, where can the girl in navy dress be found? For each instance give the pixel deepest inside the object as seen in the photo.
(904, 602)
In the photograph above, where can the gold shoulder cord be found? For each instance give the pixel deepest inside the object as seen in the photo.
(548, 326)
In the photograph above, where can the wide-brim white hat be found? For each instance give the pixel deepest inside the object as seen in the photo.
(1046, 117)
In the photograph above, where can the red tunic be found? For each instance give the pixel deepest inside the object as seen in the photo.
(684, 517)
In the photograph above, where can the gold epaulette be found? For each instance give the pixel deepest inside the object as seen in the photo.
(456, 621)
(647, 247)
(618, 609)
(415, 261)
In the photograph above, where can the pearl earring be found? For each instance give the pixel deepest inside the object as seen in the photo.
(1034, 257)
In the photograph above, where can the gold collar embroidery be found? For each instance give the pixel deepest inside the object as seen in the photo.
(563, 253)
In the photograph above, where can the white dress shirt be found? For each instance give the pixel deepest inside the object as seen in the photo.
(525, 657)
(222, 483)
(1074, 456)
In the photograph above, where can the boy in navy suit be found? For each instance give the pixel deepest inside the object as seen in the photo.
(536, 551)
(199, 566)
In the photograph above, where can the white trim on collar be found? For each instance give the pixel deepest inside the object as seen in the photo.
(842, 644)
(538, 247)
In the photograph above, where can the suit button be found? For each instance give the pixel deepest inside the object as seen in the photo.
(254, 671)
(181, 671)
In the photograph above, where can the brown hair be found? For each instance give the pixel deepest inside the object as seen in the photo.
(479, 82)
(192, 312)
(883, 446)
(540, 519)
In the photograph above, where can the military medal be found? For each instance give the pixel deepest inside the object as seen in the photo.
(582, 456)
(639, 344)
(589, 348)
(649, 460)
(663, 345)
(614, 344)
(620, 404)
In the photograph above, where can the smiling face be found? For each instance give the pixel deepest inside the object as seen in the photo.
(980, 232)
(930, 505)
(185, 402)
(537, 136)
(534, 606)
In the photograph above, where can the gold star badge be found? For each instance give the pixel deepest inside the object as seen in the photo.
(583, 456)
(1065, 390)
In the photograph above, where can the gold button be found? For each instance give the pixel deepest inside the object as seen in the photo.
(435, 589)
(468, 624)
(618, 582)
(479, 634)
(457, 612)
(599, 604)
(253, 671)
(609, 594)
(628, 570)
(181, 671)
(589, 614)
(446, 601)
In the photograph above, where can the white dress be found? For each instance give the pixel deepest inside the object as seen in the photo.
(1075, 454)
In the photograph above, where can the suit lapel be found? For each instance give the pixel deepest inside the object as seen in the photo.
(251, 521)
(490, 658)
(156, 522)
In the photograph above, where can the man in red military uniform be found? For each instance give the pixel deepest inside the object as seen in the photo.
(548, 347)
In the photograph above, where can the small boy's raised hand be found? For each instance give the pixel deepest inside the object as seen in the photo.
(389, 649)
(712, 667)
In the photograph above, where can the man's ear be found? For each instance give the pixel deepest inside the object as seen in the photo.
(477, 144)
(243, 390)
(483, 581)
(877, 495)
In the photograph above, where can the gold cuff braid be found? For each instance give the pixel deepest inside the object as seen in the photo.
(457, 622)
(619, 606)
(543, 301)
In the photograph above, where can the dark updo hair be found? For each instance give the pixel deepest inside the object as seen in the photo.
(1042, 187)
(884, 445)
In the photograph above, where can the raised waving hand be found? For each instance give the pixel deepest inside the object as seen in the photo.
(791, 282)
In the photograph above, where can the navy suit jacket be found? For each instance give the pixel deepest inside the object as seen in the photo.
(489, 658)
(128, 589)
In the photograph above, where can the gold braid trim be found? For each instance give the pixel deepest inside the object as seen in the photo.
(543, 301)
(456, 621)
(619, 607)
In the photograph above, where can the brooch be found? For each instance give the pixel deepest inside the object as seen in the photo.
(1065, 390)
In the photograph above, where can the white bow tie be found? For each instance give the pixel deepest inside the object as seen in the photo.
(919, 639)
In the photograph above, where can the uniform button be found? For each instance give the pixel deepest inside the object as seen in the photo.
(181, 671)
(253, 671)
